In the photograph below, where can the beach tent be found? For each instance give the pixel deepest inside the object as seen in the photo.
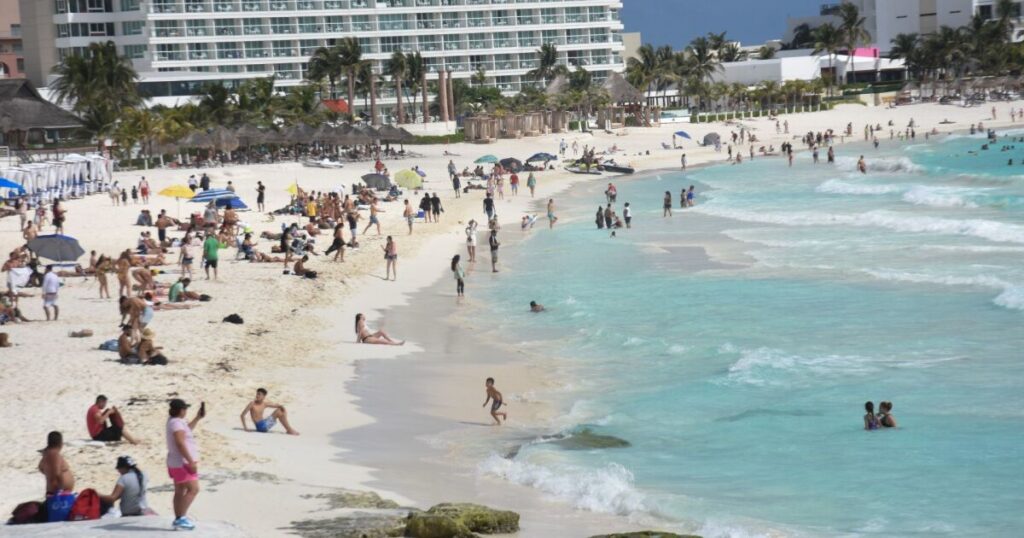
(486, 159)
(378, 181)
(711, 139)
(10, 185)
(408, 179)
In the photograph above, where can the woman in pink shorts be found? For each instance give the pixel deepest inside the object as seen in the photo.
(183, 460)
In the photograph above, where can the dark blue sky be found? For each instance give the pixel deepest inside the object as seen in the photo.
(676, 22)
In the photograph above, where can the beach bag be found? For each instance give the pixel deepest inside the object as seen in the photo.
(29, 512)
(157, 360)
(234, 318)
(58, 507)
(86, 507)
(109, 345)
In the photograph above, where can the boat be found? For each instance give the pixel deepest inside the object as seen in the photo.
(577, 170)
(617, 168)
(325, 163)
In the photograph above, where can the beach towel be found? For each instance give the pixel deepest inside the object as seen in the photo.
(17, 277)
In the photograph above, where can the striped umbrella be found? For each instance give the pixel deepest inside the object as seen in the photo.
(212, 195)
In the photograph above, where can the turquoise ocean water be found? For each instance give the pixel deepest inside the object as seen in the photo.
(741, 387)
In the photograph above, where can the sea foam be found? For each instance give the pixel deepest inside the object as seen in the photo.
(607, 489)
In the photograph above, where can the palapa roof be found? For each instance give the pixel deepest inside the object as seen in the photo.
(621, 91)
(22, 108)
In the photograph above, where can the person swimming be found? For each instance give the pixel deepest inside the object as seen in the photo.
(870, 420)
(886, 419)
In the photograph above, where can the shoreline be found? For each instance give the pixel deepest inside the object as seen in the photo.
(307, 360)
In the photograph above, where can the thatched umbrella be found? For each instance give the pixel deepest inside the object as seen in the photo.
(249, 135)
(273, 136)
(559, 85)
(224, 139)
(390, 133)
(197, 139)
(364, 134)
(301, 134)
(621, 91)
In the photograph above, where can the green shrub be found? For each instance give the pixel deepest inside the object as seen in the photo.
(459, 136)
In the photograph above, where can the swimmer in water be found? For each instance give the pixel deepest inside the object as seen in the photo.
(861, 166)
(536, 307)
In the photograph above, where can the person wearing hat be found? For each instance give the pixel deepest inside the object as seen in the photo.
(130, 489)
(183, 460)
(148, 352)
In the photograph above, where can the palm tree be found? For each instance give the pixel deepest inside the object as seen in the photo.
(828, 38)
(350, 54)
(97, 84)
(852, 27)
(415, 71)
(766, 52)
(216, 104)
(326, 63)
(396, 68)
(479, 77)
(643, 70)
(547, 65)
(731, 52)
(803, 37)
(906, 47)
(301, 104)
(702, 64)
(717, 41)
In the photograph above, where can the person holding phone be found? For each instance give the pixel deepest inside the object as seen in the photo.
(183, 460)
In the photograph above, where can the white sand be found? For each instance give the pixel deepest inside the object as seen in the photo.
(307, 356)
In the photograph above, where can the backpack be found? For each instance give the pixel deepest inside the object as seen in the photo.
(86, 507)
(233, 318)
(28, 512)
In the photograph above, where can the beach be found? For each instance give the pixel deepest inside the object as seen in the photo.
(369, 416)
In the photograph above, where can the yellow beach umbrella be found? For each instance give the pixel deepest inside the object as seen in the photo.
(178, 192)
(293, 189)
(408, 179)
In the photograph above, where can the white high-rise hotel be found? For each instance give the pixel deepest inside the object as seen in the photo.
(179, 45)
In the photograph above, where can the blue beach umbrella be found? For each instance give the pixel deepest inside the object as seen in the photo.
(59, 248)
(232, 203)
(8, 184)
(212, 195)
(542, 157)
(486, 159)
(683, 134)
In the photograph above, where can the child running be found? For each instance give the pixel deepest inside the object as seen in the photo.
(495, 395)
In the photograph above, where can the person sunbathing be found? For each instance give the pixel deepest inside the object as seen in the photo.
(179, 291)
(364, 336)
(259, 257)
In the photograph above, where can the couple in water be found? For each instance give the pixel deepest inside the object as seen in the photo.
(884, 418)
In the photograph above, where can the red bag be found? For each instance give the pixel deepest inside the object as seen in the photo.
(86, 507)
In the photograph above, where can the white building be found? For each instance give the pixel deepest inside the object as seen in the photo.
(885, 19)
(177, 46)
(801, 65)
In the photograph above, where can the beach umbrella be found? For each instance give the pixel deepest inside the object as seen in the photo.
(178, 192)
(512, 164)
(377, 181)
(8, 184)
(293, 189)
(408, 179)
(542, 157)
(232, 203)
(486, 159)
(212, 195)
(248, 135)
(683, 134)
(59, 248)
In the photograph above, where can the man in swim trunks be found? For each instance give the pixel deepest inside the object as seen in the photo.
(258, 407)
(495, 395)
(54, 467)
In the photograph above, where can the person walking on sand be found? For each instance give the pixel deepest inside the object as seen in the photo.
(338, 246)
(261, 191)
(495, 398)
(210, 248)
(531, 183)
(144, 190)
(258, 407)
(183, 460)
(667, 206)
(492, 240)
(552, 219)
(51, 285)
(489, 206)
(682, 161)
(471, 241)
(409, 215)
(460, 276)
(390, 258)
(374, 220)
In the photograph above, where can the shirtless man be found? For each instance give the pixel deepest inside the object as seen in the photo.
(374, 220)
(137, 313)
(257, 407)
(54, 467)
(495, 395)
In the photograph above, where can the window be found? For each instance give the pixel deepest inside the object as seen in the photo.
(63, 30)
(985, 12)
(15, 30)
(21, 65)
(132, 27)
(129, 5)
(101, 29)
(135, 52)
